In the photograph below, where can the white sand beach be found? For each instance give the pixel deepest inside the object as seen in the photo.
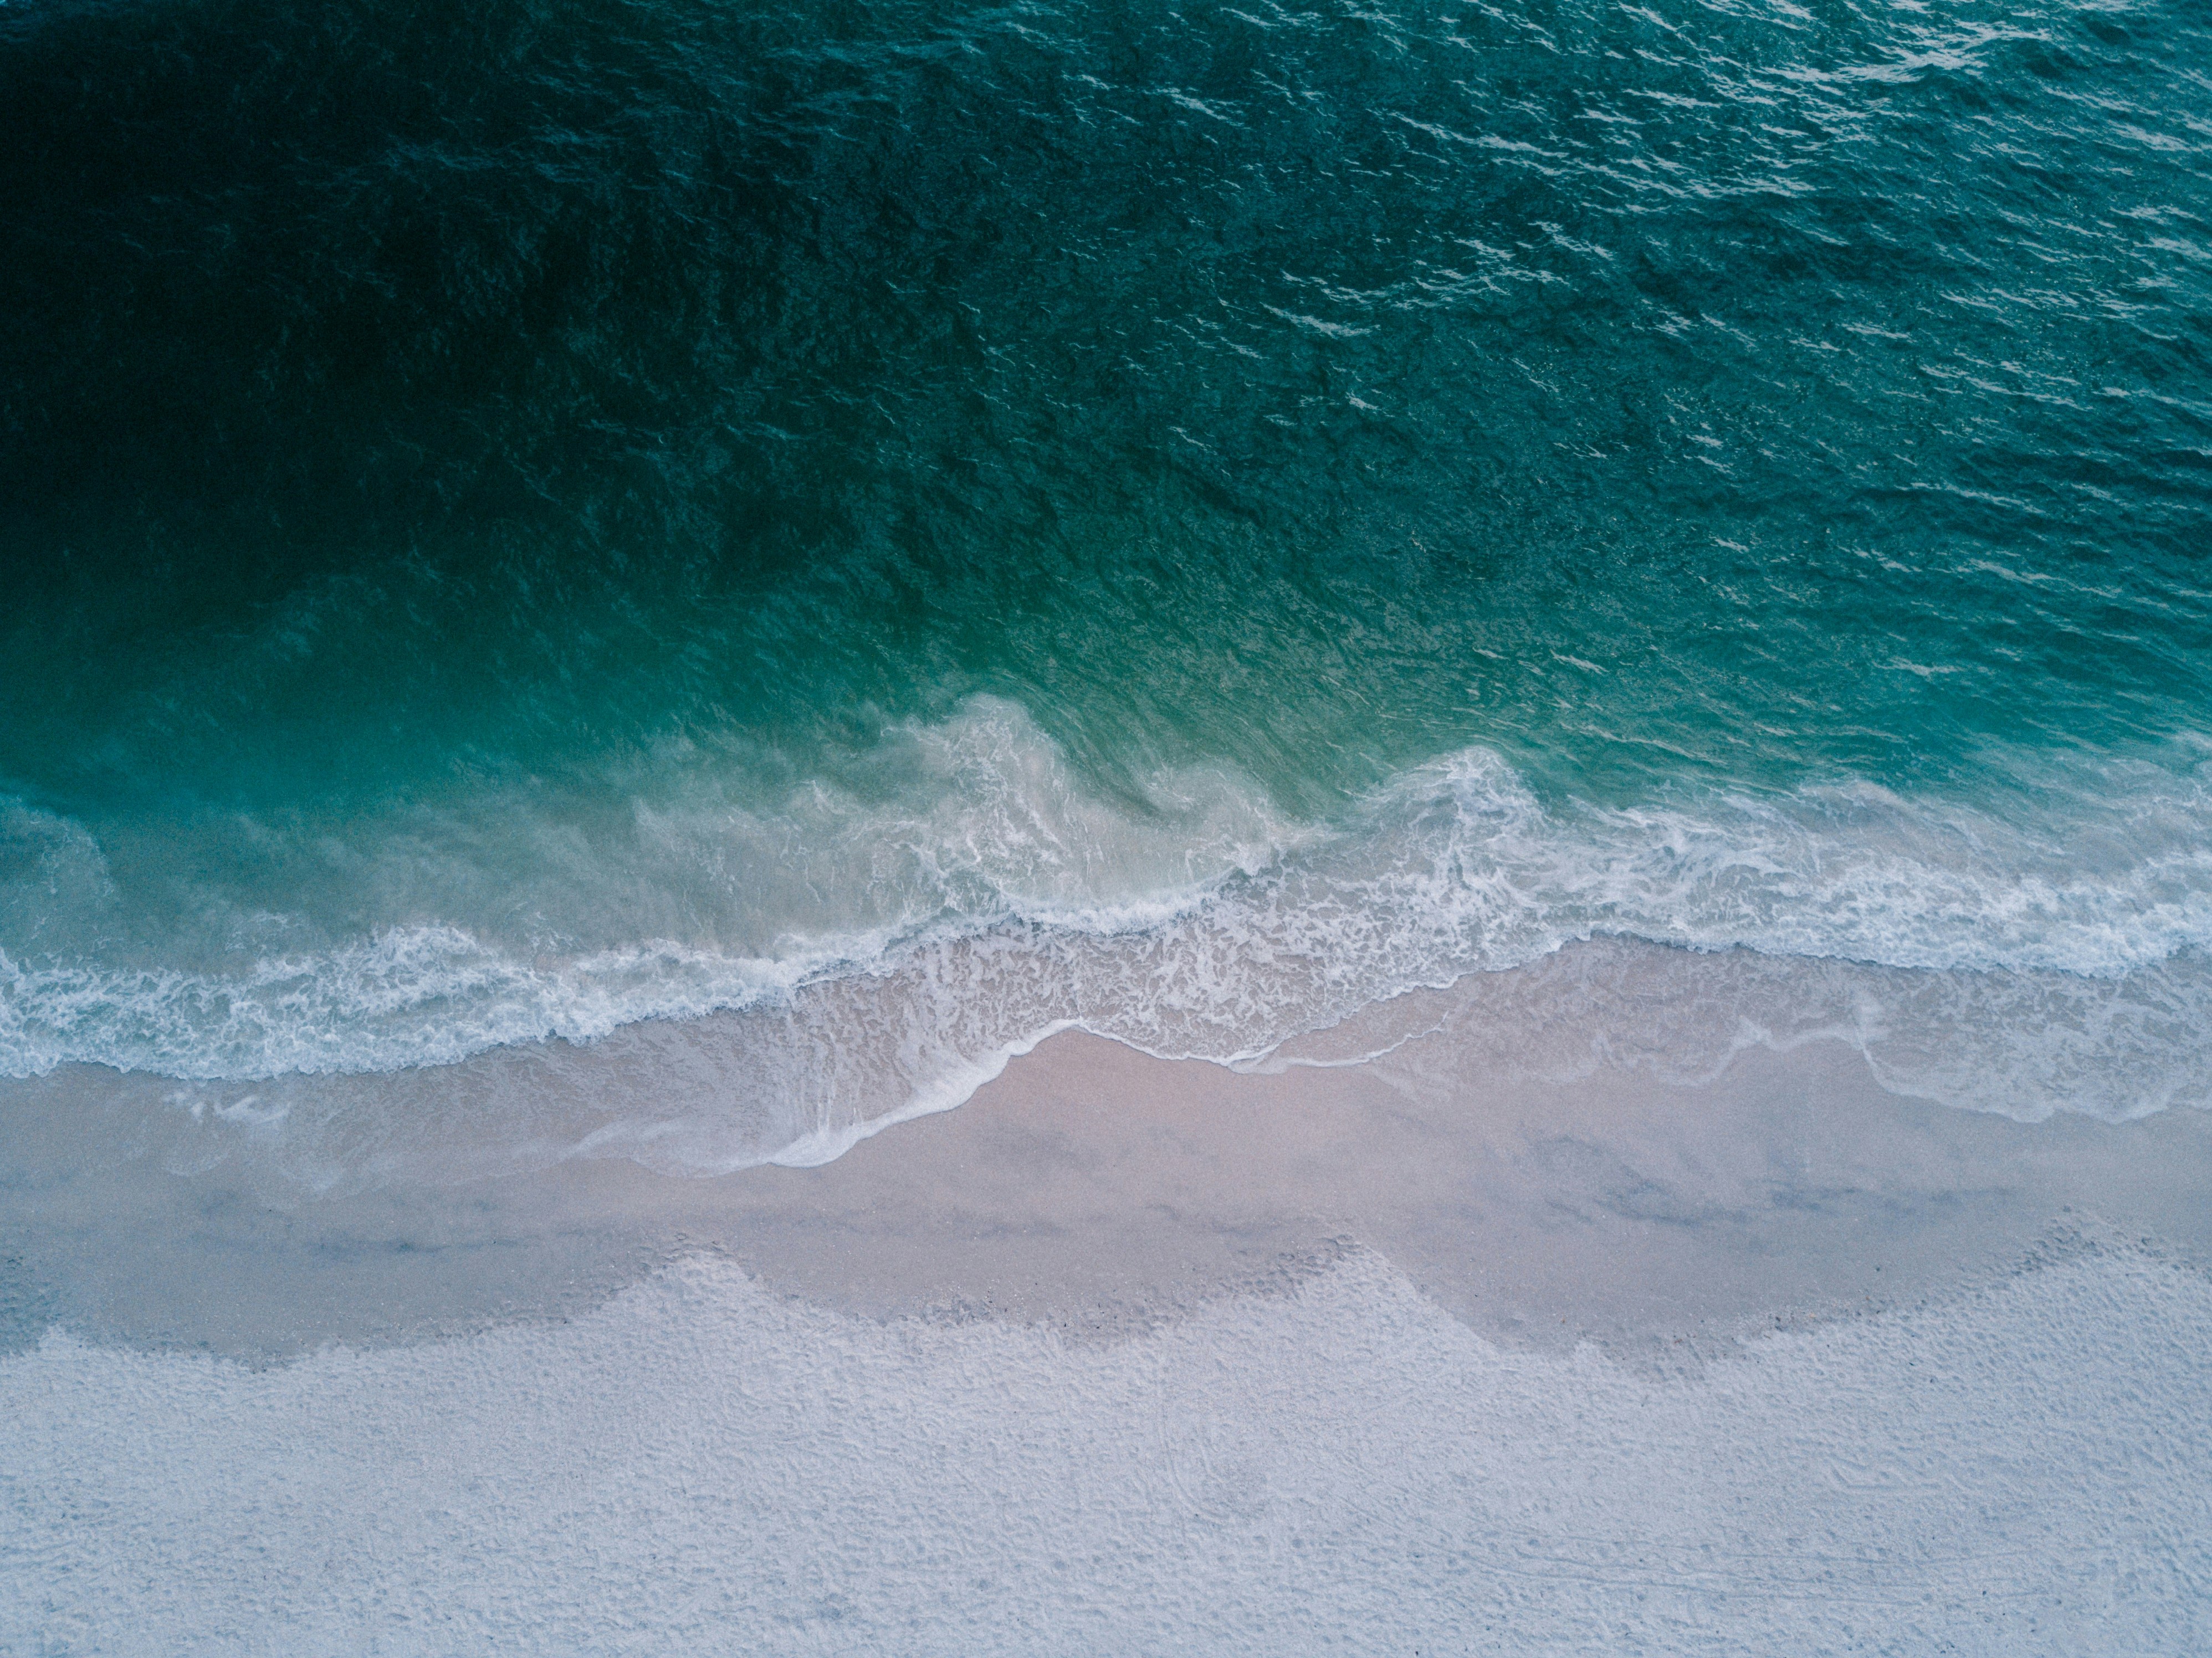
(1126, 1355)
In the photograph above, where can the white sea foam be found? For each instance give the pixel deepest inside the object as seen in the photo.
(886, 940)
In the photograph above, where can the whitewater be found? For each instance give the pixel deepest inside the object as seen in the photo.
(870, 951)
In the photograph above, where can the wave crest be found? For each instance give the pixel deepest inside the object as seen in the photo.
(900, 929)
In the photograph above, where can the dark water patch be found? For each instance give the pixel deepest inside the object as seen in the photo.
(778, 365)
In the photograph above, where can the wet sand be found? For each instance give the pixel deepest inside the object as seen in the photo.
(1104, 1191)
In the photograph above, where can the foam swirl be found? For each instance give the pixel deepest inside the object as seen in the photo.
(2038, 952)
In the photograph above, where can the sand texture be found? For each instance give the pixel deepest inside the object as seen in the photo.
(1136, 1356)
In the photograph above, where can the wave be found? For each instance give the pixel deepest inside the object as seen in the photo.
(905, 924)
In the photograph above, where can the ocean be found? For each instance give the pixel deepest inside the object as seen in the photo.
(883, 531)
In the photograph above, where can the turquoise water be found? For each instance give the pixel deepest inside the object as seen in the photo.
(521, 520)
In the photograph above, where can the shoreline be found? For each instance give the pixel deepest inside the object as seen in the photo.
(1138, 1355)
(1105, 1193)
